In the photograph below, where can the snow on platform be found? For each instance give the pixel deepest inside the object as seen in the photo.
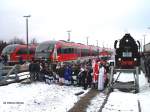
(37, 97)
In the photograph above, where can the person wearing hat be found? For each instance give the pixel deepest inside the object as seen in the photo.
(101, 77)
(1, 68)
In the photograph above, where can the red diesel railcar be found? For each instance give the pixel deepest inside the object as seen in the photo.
(64, 51)
(15, 52)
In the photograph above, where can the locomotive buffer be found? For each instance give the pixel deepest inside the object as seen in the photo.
(124, 86)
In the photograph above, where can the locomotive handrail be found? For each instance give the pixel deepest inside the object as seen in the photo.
(116, 41)
(139, 45)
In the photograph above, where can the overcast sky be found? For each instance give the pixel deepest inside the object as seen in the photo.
(102, 20)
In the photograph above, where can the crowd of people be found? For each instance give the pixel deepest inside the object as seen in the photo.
(91, 73)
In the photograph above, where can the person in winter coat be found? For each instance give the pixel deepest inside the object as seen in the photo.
(5, 59)
(34, 69)
(75, 72)
(89, 76)
(84, 78)
(101, 78)
(148, 69)
(1, 68)
(79, 77)
(31, 70)
(21, 60)
(146, 66)
(60, 72)
(95, 74)
(68, 74)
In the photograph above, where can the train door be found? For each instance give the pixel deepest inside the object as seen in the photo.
(54, 55)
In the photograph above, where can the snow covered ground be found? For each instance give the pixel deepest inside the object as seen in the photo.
(124, 102)
(41, 97)
(37, 97)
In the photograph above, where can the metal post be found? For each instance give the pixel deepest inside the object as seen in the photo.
(144, 43)
(137, 78)
(111, 76)
(97, 48)
(68, 35)
(141, 45)
(27, 35)
(87, 38)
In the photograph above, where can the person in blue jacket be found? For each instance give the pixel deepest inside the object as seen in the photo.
(68, 74)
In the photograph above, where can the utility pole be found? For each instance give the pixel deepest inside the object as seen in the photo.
(97, 43)
(69, 31)
(97, 48)
(27, 35)
(87, 40)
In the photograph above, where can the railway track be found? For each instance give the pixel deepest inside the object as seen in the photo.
(105, 102)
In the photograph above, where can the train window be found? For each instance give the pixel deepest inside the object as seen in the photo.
(75, 50)
(59, 50)
(31, 50)
(9, 49)
(78, 51)
(51, 46)
(127, 54)
(85, 52)
(65, 51)
(62, 51)
(70, 50)
(22, 51)
(45, 46)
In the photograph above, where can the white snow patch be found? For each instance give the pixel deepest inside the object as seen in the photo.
(37, 97)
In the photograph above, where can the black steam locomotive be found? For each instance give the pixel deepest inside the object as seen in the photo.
(127, 52)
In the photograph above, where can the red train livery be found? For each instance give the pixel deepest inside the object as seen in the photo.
(17, 51)
(64, 51)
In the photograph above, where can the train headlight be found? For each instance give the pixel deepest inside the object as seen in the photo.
(135, 59)
(127, 40)
(119, 59)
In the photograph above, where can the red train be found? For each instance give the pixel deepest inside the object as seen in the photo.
(15, 52)
(105, 55)
(64, 51)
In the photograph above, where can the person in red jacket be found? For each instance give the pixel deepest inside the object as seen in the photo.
(95, 74)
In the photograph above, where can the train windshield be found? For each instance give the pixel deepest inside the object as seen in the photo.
(9, 49)
(127, 54)
(45, 47)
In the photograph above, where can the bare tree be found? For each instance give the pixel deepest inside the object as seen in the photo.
(2, 45)
(16, 40)
(33, 41)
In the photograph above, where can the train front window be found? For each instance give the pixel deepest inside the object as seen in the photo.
(9, 49)
(45, 47)
(127, 54)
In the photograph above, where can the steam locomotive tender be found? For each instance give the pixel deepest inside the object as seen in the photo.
(127, 52)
